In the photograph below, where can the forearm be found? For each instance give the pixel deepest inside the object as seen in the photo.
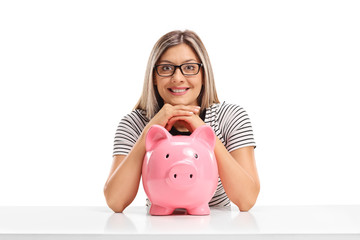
(121, 188)
(241, 188)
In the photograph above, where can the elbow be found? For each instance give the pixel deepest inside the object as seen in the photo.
(116, 209)
(115, 205)
(245, 205)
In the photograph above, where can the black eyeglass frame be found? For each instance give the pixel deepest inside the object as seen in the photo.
(175, 67)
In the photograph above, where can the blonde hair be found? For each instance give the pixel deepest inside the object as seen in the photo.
(150, 100)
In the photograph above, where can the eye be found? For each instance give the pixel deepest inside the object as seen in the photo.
(189, 67)
(196, 156)
(167, 155)
(166, 68)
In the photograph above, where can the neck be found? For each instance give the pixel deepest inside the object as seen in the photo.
(180, 127)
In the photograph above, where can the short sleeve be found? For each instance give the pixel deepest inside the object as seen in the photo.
(127, 133)
(237, 127)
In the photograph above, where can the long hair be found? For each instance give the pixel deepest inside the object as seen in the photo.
(150, 100)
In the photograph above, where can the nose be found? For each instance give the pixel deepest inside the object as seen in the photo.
(177, 76)
(182, 174)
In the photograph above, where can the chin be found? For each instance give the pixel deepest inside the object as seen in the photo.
(177, 103)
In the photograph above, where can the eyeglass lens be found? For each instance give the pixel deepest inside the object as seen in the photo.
(168, 69)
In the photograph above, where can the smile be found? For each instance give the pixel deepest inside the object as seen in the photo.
(178, 91)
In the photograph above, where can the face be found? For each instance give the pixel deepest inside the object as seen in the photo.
(179, 89)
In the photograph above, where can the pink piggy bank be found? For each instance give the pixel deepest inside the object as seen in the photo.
(180, 171)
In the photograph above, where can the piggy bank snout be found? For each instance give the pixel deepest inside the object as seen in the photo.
(182, 174)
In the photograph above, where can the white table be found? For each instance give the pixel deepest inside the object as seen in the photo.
(262, 222)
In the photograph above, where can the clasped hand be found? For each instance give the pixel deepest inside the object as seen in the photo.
(185, 115)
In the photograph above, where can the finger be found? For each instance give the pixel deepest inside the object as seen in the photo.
(168, 127)
(180, 110)
(184, 119)
(170, 123)
(173, 120)
(193, 121)
(183, 113)
(185, 106)
(190, 108)
(187, 125)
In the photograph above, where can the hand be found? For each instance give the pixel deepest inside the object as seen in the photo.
(191, 122)
(169, 111)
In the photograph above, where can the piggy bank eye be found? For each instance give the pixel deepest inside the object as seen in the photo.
(167, 155)
(196, 156)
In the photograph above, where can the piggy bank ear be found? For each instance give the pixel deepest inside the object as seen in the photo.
(206, 134)
(155, 134)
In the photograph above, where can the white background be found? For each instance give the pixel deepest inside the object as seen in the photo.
(70, 70)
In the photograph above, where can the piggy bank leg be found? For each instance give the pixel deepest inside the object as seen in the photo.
(200, 210)
(158, 210)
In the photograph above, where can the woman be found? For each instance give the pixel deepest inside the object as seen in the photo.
(179, 94)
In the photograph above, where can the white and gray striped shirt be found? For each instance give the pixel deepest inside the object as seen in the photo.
(230, 123)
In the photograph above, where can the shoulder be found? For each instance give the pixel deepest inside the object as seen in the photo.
(229, 115)
(136, 115)
(226, 109)
(136, 120)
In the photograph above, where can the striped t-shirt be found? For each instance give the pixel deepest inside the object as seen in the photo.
(230, 123)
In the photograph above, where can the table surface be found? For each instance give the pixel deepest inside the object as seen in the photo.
(337, 220)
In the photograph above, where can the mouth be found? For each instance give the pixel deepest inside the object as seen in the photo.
(178, 91)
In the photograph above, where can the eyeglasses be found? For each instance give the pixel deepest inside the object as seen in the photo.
(187, 69)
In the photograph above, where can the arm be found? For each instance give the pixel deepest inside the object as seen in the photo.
(122, 185)
(123, 182)
(238, 174)
(237, 169)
